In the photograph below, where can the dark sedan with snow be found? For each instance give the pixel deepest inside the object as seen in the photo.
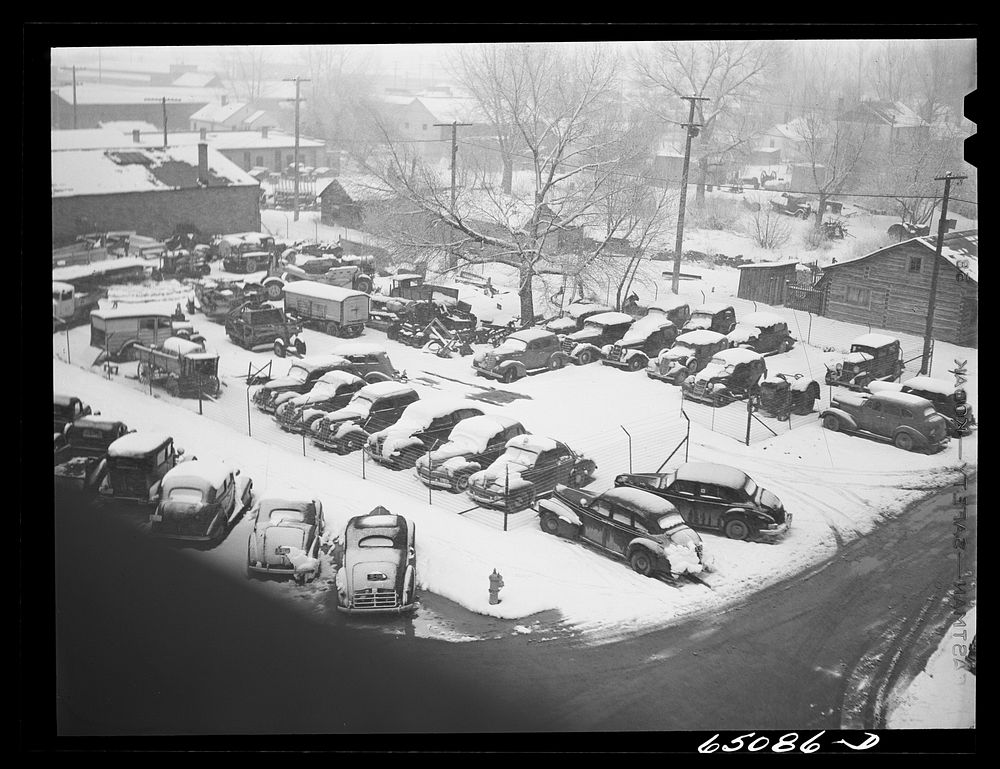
(199, 501)
(636, 526)
(474, 444)
(717, 498)
(379, 570)
(296, 412)
(424, 425)
(286, 538)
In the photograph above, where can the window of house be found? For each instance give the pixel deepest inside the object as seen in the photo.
(915, 262)
(260, 160)
(858, 296)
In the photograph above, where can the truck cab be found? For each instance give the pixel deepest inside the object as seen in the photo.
(137, 463)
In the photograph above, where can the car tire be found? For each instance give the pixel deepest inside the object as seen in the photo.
(904, 441)
(585, 357)
(251, 265)
(460, 482)
(737, 528)
(555, 363)
(679, 378)
(279, 348)
(641, 562)
(549, 523)
(830, 422)
(509, 375)
(636, 363)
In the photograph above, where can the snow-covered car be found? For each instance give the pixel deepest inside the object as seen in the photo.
(301, 376)
(374, 407)
(521, 353)
(379, 570)
(474, 444)
(690, 353)
(717, 498)
(606, 328)
(785, 394)
(909, 421)
(81, 460)
(199, 501)
(65, 410)
(576, 314)
(763, 332)
(645, 339)
(137, 464)
(529, 469)
(424, 425)
(296, 412)
(872, 357)
(950, 400)
(286, 537)
(712, 316)
(677, 310)
(636, 526)
(732, 374)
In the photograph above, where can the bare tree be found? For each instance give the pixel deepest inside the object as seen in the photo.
(889, 67)
(341, 86)
(563, 104)
(767, 228)
(244, 68)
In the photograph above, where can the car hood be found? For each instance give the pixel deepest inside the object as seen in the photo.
(856, 400)
(769, 500)
(345, 414)
(281, 382)
(584, 335)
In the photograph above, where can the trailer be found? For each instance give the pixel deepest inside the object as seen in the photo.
(184, 368)
(337, 311)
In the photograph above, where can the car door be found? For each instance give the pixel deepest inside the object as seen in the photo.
(684, 495)
(596, 519)
(870, 417)
(892, 417)
(619, 531)
(709, 505)
(225, 497)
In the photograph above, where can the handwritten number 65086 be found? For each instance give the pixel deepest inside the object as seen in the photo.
(787, 742)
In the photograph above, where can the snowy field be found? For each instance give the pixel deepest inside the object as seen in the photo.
(836, 486)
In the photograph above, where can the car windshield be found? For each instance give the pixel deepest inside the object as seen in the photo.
(517, 345)
(750, 487)
(375, 541)
(669, 521)
(298, 372)
(361, 402)
(679, 351)
(701, 320)
(182, 494)
(593, 328)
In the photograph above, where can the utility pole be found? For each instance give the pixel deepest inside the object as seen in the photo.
(74, 92)
(692, 131)
(295, 194)
(948, 178)
(163, 100)
(454, 156)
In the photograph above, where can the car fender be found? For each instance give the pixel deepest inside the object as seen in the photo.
(513, 364)
(586, 346)
(402, 444)
(654, 548)
(845, 418)
(466, 466)
(919, 438)
(630, 354)
(561, 510)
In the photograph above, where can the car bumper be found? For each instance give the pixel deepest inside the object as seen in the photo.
(274, 571)
(615, 363)
(434, 479)
(775, 534)
(492, 373)
(378, 610)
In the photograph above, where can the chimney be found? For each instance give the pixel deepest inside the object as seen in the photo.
(203, 134)
(224, 99)
(263, 132)
(135, 135)
(203, 163)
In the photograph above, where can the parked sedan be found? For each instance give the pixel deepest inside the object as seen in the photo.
(474, 444)
(295, 413)
(379, 571)
(717, 498)
(286, 537)
(634, 525)
(424, 425)
(199, 501)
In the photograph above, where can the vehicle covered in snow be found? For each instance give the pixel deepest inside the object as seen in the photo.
(295, 413)
(379, 570)
(355, 274)
(117, 331)
(763, 332)
(473, 444)
(529, 469)
(627, 523)
(286, 537)
(717, 498)
(81, 456)
(199, 501)
(301, 376)
(731, 375)
(872, 357)
(373, 408)
(605, 328)
(253, 324)
(785, 394)
(909, 421)
(336, 311)
(645, 339)
(950, 400)
(137, 463)
(184, 367)
(423, 425)
(712, 316)
(676, 310)
(575, 316)
(71, 306)
(66, 409)
(520, 354)
(788, 203)
(689, 354)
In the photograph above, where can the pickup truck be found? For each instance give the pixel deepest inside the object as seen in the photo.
(81, 461)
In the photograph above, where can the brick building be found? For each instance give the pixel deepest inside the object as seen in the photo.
(150, 191)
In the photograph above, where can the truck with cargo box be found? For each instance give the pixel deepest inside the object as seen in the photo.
(337, 311)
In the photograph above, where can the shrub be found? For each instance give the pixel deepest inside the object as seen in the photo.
(767, 228)
(715, 214)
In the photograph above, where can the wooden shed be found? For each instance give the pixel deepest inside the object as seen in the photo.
(890, 288)
(766, 281)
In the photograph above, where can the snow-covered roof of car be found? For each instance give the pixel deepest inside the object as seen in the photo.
(666, 305)
(477, 431)
(137, 444)
(316, 290)
(423, 412)
(531, 334)
(742, 333)
(875, 340)
(708, 472)
(577, 309)
(644, 327)
(535, 443)
(735, 355)
(932, 385)
(128, 312)
(63, 400)
(359, 348)
(902, 399)
(376, 521)
(384, 389)
(58, 286)
(610, 318)
(338, 378)
(305, 506)
(313, 362)
(713, 307)
(762, 319)
(94, 422)
(639, 501)
(699, 336)
(197, 472)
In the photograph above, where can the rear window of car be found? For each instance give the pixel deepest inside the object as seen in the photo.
(375, 541)
(286, 516)
(183, 494)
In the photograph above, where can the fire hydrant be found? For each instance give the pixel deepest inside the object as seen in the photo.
(496, 582)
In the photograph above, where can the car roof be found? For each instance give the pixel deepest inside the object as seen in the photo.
(536, 443)
(709, 472)
(96, 423)
(385, 389)
(339, 378)
(902, 399)
(700, 336)
(739, 355)
(197, 473)
(377, 521)
(306, 506)
(137, 444)
(638, 501)
(875, 340)
(531, 334)
(610, 318)
(932, 385)
(63, 400)
(762, 319)
(313, 362)
(713, 307)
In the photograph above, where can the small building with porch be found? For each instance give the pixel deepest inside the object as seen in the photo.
(891, 288)
(766, 282)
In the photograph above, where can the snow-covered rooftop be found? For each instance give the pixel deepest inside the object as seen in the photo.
(194, 80)
(218, 113)
(875, 340)
(137, 444)
(316, 290)
(100, 93)
(127, 126)
(102, 138)
(961, 249)
(764, 264)
(98, 172)
(610, 318)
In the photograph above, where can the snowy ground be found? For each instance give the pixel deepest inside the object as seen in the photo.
(837, 486)
(943, 696)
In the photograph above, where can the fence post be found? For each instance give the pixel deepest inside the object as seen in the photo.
(68, 359)
(506, 496)
(749, 416)
(809, 333)
(200, 393)
(249, 433)
(629, 446)
(304, 445)
(364, 460)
